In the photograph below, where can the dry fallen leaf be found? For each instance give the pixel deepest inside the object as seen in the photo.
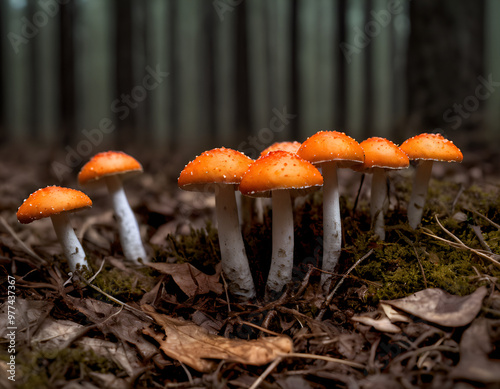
(196, 347)
(124, 325)
(394, 315)
(54, 333)
(378, 321)
(475, 347)
(439, 307)
(28, 314)
(191, 280)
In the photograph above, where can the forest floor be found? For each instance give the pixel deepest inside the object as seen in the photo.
(421, 309)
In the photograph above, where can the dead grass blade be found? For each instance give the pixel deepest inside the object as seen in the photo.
(459, 244)
(275, 363)
(24, 246)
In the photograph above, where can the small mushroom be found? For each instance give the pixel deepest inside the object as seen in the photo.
(277, 174)
(112, 167)
(291, 147)
(380, 155)
(220, 170)
(56, 202)
(426, 148)
(330, 150)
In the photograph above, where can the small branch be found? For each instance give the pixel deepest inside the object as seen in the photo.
(460, 244)
(484, 217)
(266, 372)
(332, 293)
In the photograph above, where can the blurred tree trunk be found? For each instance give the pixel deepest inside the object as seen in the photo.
(445, 57)
(124, 110)
(66, 133)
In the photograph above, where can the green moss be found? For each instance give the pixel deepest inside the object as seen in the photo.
(42, 369)
(200, 248)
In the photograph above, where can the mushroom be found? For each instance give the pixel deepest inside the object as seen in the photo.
(277, 174)
(291, 147)
(220, 170)
(329, 150)
(261, 202)
(112, 167)
(380, 155)
(426, 148)
(56, 202)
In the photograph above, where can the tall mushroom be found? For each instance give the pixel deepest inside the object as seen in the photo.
(112, 167)
(380, 155)
(56, 202)
(277, 174)
(329, 150)
(426, 148)
(220, 170)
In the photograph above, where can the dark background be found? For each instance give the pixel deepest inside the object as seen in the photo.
(374, 67)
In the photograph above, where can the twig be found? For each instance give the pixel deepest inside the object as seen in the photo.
(479, 235)
(460, 244)
(332, 293)
(484, 217)
(115, 300)
(24, 246)
(98, 271)
(325, 358)
(227, 294)
(423, 350)
(359, 192)
(188, 373)
(267, 319)
(82, 331)
(266, 372)
(304, 282)
(258, 327)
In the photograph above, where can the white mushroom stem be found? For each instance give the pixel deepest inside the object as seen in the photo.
(73, 250)
(378, 201)
(332, 228)
(233, 256)
(419, 193)
(280, 272)
(130, 236)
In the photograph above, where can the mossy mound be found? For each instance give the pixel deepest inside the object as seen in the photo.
(406, 262)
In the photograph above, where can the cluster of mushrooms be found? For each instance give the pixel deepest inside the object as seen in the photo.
(56, 202)
(291, 167)
(283, 169)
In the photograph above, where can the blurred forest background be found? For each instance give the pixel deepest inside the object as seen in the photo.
(193, 74)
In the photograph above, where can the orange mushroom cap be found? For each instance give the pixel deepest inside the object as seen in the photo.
(279, 170)
(51, 200)
(217, 166)
(106, 164)
(326, 146)
(432, 147)
(382, 153)
(292, 147)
